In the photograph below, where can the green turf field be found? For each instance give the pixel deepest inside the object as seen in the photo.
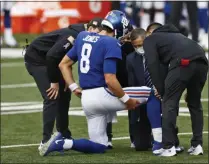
(24, 129)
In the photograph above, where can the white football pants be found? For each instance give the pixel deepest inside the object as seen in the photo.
(98, 103)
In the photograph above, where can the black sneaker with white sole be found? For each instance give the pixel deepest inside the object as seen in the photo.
(179, 149)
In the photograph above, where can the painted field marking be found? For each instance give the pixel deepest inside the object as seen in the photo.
(11, 86)
(117, 138)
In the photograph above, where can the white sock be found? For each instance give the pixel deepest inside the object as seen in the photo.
(8, 37)
(68, 144)
(8, 32)
(157, 134)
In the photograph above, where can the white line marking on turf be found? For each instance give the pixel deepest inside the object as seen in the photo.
(21, 112)
(23, 85)
(75, 111)
(15, 64)
(10, 86)
(19, 103)
(203, 100)
(33, 107)
(11, 53)
(28, 108)
(39, 102)
(180, 134)
(117, 138)
(14, 146)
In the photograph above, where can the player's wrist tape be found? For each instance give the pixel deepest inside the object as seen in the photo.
(73, 87)
(125, 98)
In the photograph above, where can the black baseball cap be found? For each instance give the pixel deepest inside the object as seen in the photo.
(96, 22)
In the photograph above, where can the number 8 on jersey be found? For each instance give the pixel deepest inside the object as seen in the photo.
(85, 55)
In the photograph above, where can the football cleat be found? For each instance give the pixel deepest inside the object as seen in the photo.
(132, 145)
(157, 148)
(168, 152)
(195, 150)
(55, 143)
(40, 146)
(179, 149)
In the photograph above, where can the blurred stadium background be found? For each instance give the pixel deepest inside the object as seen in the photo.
(21, 117)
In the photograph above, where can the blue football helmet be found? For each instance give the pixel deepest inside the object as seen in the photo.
(118, 22)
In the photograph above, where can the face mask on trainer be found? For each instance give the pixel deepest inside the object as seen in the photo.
(139, 50)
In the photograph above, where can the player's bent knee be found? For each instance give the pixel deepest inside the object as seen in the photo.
(98, 136)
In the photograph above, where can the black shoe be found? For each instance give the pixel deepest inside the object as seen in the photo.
(67, 134)
(179, 149)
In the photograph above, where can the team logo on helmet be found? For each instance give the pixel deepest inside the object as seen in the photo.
(125, 22)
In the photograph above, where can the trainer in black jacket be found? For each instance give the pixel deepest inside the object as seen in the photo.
(41, 59)
(187, 69)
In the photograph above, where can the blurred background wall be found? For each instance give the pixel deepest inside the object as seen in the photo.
(40, 17)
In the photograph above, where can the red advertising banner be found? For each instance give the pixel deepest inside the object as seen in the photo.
(38, 17)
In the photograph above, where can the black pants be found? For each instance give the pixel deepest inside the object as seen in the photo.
(192, 78)
(130, 126)
(140, 129)
(192, 12)
(52, 109)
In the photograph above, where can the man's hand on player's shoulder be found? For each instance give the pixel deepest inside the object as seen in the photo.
(132, 103)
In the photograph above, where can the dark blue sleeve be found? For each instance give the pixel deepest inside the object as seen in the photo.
(110, 65)
(113, 49)
(72, 53)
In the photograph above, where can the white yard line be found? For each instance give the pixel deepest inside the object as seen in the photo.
(117, 138)
(25, 107)
(23, 85)
(11, 65)
(13, 146)
(74, 111)
(21, 112)
(11, 53)
(10, 86)
(28, 108)
(4, 104)
(188, 114)
(34, 107)
(19, 103)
